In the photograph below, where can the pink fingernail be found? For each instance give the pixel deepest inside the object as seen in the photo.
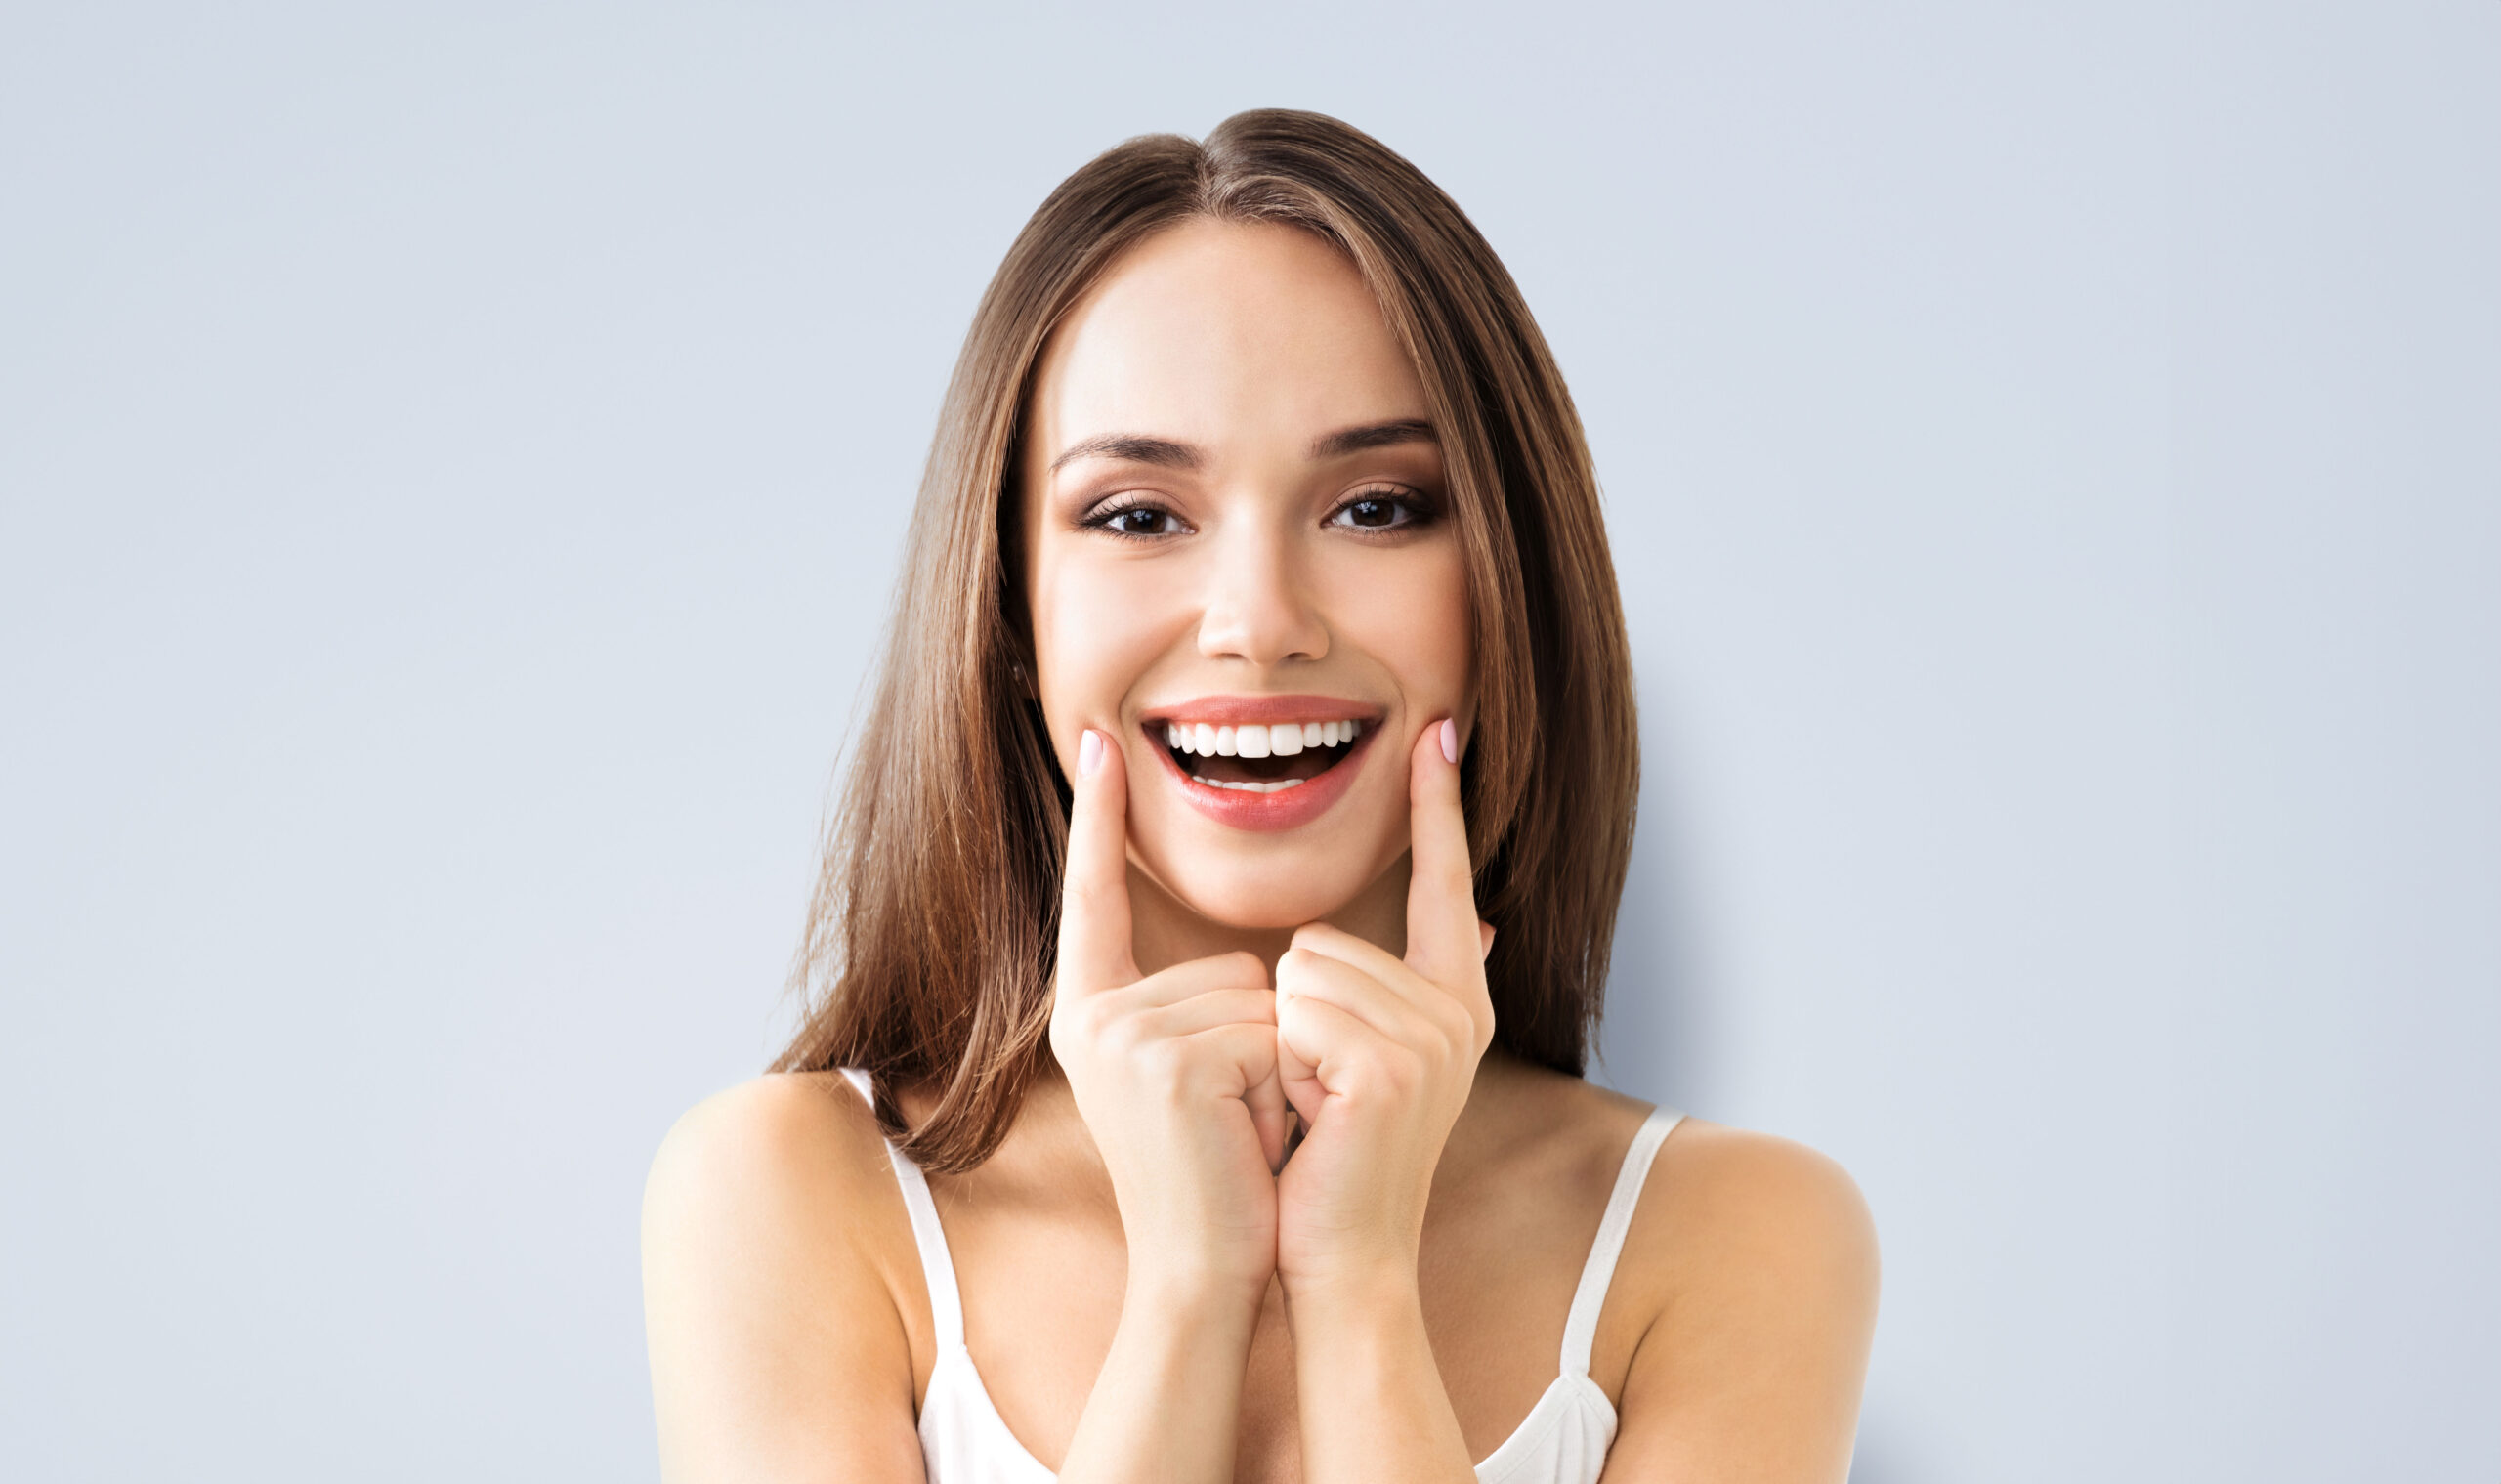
(1450, 740)
(1089, 753)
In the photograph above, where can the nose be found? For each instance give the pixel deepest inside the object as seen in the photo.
(1259, 608)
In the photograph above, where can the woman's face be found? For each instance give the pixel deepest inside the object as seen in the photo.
(1238, 537)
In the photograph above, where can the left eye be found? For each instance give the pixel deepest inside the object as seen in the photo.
(1139, 521)
(1374, 512)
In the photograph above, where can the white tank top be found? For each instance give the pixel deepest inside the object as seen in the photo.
(1563, 1439)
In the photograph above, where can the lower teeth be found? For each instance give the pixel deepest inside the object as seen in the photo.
(1248, 787)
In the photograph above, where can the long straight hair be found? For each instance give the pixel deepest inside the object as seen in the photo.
(928, 955)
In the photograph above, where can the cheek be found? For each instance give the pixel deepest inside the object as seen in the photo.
(1096, 630)
(1412, 616)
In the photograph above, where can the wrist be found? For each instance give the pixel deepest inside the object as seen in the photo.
(1357, 1291)
(1191, 1298)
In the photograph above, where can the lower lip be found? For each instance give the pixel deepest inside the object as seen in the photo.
(1285, 809)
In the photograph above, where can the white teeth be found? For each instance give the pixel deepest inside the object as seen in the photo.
(1280, 786)
(1282, 739)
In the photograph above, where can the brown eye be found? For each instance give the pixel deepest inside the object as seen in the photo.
(1138, 521)
(1377, 512)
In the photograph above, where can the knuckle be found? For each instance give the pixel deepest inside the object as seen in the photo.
(1406, 1069)
(1390, 1069)
(1162, 1059)
(1119, 1034)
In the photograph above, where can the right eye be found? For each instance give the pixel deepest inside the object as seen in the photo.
(1137, 522)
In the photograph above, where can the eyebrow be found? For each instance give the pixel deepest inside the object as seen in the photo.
(1170, 453)
(1131, 448)
(1380, 435)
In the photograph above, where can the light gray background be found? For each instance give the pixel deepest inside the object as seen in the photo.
(453, 464)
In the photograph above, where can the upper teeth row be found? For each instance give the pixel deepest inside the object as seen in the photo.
(1284, 740)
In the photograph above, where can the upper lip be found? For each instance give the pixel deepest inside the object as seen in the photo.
(1261, 710)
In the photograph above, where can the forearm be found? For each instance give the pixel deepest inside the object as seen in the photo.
(1167, 1403)
(1368, 1393)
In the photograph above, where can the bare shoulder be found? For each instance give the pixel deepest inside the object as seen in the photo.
(1753, 1262)
(785, 1139)
(770, 1288)
(1720, 1196)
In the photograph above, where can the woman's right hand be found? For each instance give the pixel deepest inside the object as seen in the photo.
(1174, 1073)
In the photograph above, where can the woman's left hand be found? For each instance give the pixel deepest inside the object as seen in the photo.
(1377, 1053)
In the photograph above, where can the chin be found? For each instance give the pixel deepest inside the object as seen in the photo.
(1264, 894)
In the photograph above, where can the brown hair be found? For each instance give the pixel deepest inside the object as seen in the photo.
(928, 953)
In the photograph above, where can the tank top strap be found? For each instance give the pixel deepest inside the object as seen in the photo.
(937, 1268)
(1581, 1328)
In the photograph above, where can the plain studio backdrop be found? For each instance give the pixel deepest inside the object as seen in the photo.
(454, 463)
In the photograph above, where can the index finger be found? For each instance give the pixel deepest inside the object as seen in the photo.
(1442, 937)
(1095, 886)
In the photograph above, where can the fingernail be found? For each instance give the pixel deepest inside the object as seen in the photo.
(1450, 740)
(1089, 753)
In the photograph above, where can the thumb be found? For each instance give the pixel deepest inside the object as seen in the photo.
(1267, 1100)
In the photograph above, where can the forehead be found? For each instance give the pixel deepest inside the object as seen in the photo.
(1226, 335)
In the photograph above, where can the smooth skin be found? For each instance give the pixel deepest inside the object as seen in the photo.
(1146, 1298)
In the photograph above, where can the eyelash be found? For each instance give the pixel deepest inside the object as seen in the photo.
(1419, 512)
(1103, 515)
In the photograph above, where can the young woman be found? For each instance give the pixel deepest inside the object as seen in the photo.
(1213, 930)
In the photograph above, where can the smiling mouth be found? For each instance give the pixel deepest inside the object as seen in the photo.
(1260, 759)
